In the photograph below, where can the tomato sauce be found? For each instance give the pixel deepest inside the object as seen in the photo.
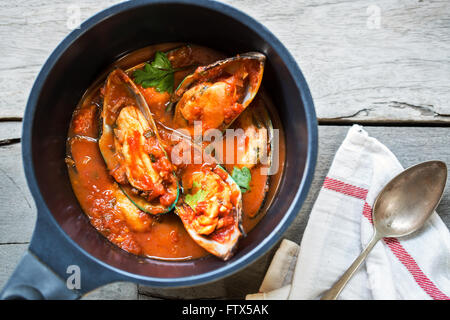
(163, 236)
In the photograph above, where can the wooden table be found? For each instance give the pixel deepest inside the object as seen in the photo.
(384, 64)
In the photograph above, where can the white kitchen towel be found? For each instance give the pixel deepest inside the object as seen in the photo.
(340, 226)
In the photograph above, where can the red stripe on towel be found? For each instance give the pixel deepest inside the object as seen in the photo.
(397, 249)
(345, 188)
(424, 282)
(367, 212)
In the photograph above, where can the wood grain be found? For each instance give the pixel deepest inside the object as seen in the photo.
(17, 211)
(30, 30)
(114, 291)
(10, 132)
(397, 70)
(10, 255)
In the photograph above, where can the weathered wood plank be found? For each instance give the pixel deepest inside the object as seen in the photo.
(383, 61)
(386, 60)
(10, 132)
(31, 30)
(114, 291)
(18, 211)
(10, 255)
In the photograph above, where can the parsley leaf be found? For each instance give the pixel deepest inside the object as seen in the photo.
(193, 199)
(242, 177)
(157, 74)
(161, 61)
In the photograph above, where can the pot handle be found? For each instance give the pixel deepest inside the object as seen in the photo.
(33, 280)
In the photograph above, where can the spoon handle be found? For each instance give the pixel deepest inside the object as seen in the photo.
(336, 289)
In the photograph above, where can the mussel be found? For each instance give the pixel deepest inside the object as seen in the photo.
(132, 149)
(211, 208)
(216, 94)
(251, 141)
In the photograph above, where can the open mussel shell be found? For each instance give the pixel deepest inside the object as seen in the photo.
(258, 150)
(121, 96)
(217, 238)
(221, 243)
(252, 139)
(258, 127)
(217, 93)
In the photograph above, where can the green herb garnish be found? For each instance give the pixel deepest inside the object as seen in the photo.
(242, 177)
(158, 74)
(193, 199)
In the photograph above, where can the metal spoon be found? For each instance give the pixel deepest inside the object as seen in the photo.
(401, 208)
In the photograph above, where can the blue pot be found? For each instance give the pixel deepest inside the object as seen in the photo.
(63, 236)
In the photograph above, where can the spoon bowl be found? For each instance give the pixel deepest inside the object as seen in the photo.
(401, 208)
(408, 200)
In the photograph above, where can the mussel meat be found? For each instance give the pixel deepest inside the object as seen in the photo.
(216, 94)
(131, 147)
(212, 210)
(251, 141)
(210, 206)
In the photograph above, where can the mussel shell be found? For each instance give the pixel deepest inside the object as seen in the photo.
(209, 71)
(222, 250)
(255, 158)
(255, 118)
(191, 79)
(260, 116)
(107, 133)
